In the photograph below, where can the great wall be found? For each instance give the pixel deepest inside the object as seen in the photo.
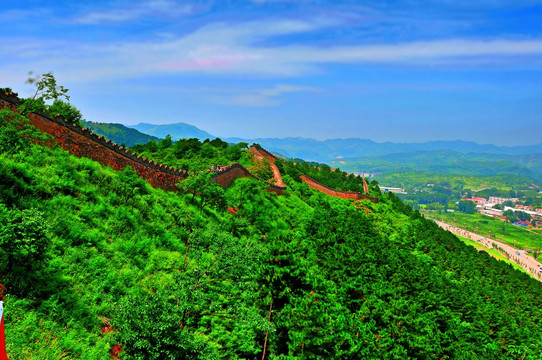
(83, 143)
(352, 195)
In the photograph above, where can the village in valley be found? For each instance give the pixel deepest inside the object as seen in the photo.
(508, 209)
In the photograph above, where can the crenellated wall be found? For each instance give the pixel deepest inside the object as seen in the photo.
(226, 175)
(83, 143)
(337, 193)
(260, 154)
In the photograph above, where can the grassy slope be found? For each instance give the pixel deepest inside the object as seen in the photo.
(113, 249)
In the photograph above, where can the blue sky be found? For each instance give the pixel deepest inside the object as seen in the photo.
(402, 71)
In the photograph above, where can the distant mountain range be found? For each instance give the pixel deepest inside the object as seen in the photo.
(177, 131)
(332, 149)
(368, 156)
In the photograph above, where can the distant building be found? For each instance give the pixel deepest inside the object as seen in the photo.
(478, 200)
(497, 200)
(364, 174)
(491, 212)
(500, 200)
(392, 189)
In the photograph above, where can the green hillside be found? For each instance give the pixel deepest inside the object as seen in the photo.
(449, 162)
(119, 133)
(96, 260)
(177, 131)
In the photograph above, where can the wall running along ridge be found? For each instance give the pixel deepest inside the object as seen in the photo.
(227, 174)
(260, 154)
(83, 143)
(337, 193)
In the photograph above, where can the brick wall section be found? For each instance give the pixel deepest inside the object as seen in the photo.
(226, 175)
(268, 154)
(261, 153)
(83, 143)
(337, 193)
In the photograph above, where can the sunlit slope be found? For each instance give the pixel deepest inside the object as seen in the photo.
(85, 250)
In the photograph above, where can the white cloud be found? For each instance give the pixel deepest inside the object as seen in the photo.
(233, 49)
(267, 97)
(134, 11)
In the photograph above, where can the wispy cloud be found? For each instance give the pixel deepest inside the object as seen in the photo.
(133, 11)
(241, 48)
(16, 15)
(268, 97)
(233, 95)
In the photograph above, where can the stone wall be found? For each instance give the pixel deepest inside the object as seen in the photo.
(336, 193)
(83, 143)
(226, 175)
(260, 154)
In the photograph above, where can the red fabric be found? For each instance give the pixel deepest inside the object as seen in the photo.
(230, 209)
(3, 355)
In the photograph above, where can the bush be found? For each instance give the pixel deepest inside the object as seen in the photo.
(23, 247)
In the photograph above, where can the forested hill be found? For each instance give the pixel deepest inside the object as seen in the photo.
(176, 131)
(119, 133)
(97, 262)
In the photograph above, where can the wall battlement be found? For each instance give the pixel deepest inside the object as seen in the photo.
(260, 154)
(337, 193)
(84, 143)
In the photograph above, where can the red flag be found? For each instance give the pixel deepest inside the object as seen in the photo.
(3, 355)
(230, 209)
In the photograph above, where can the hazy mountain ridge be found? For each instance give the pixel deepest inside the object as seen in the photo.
(177, 131)
(365, 155)
(326, 150)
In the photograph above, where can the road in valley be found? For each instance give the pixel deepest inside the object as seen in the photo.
(527, 262)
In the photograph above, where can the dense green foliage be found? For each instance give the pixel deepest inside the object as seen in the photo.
(193, 154)
(307, 275)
